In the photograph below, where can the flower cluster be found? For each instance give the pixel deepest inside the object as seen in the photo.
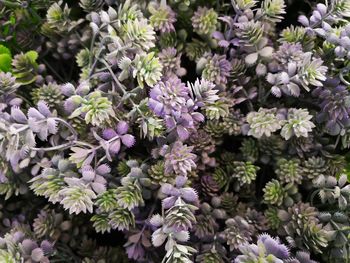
(175, 131)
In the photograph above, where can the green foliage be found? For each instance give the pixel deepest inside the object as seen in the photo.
(97, 109)
(5, 59)
(25, 67)
(274, 9)
(129, 195)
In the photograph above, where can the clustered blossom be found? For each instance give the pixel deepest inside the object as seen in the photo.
(95, 108)
(171, 62)
(179, 159)
(334, 104)
(298, 69)
(147, 69)
(187, 130)
(216, 69)
(204, 20)
(298, 124)
(264, 122)
(170, 99)
(162, 18)
(267, 249)
(77, 198)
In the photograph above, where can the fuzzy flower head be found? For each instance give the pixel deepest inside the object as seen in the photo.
(298, 124)
(8, 83)
(168, 97)
(147, 69)
(162, 17)
(180, 159)
(264, 122)
(204, 21)
(267, 249)
(118, 137)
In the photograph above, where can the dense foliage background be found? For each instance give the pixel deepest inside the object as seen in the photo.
(174, 131)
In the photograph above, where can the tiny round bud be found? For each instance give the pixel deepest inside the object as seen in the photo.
(216, 201)
(66, 225)
(261, 70)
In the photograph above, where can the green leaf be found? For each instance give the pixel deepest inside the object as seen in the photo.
(4, 50)
(5, 62)
(6, 30)
(26, 81)
(32, 55)
(12, 19)
(76, 113)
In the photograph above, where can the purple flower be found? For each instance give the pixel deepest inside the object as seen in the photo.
(217, 69)
(267, 249)
(317, 16)
(162, 17)
(119, 136)
(335, 106)
(168, 97)
(171, 62)
(92, 177)
(180, 159)
(184, 124)
(40, 121)
(188, 194)
(290, 52)
(274, 247)
(135, 251)
(136, 244)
